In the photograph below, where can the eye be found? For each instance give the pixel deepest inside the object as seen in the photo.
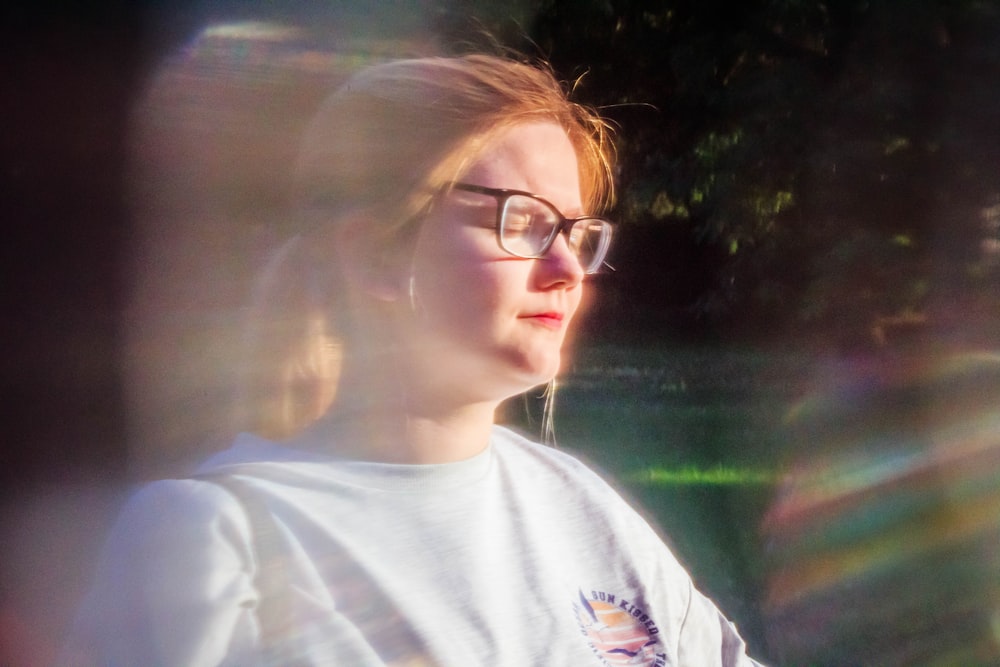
(522, 214)
(518, 222)
(584, 234)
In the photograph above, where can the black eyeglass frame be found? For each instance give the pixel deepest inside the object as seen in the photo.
(563, 226)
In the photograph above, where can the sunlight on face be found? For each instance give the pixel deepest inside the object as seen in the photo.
(486, 321)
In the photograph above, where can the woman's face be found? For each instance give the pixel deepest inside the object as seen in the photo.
(485, 325)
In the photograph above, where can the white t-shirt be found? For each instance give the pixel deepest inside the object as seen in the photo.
(518, 556)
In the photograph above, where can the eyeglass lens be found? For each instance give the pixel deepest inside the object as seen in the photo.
(527, 228)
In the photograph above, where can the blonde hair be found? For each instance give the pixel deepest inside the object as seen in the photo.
(387, 141)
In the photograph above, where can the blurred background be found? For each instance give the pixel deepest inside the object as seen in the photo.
(794, 368)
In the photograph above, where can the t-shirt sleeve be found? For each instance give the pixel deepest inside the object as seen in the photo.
(174, 585)
(701, 635)
(708, 638)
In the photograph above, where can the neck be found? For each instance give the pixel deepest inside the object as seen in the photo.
(380, 416)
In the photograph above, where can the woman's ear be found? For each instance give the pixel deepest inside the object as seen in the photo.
(370, 263)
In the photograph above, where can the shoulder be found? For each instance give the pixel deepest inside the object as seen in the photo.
(172, 535)
(176, 507)
(560, 465)
(176, 545)
(512, 444)
(571, 485)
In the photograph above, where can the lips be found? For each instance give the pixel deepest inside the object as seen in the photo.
(548, 319)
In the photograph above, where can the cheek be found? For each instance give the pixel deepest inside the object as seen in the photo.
(453, 292)
(472, 295)
(461, 274)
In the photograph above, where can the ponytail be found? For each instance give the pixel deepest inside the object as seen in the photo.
(292, 353)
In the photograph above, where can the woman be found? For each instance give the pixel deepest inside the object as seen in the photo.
(445, 206)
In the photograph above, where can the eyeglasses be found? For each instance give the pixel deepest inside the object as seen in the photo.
(528, 225)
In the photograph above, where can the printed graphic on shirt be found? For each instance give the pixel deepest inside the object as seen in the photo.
(619, 632)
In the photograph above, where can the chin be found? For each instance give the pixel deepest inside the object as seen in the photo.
(512, 369)
(539, 369)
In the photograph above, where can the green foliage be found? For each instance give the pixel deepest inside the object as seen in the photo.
(816, 153)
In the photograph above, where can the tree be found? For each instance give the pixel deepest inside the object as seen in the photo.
(804, 158)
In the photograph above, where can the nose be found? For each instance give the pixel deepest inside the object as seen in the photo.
(560, 267)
